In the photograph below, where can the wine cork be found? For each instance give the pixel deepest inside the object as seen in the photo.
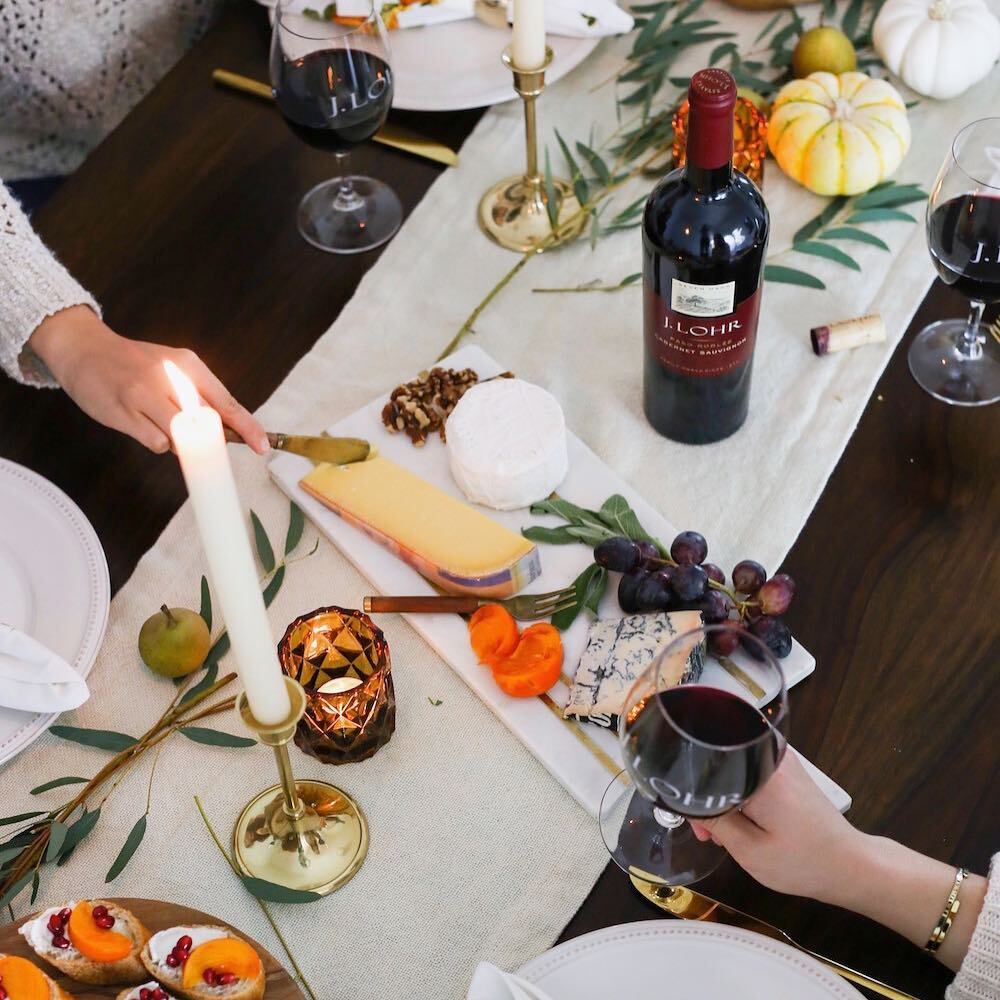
(847, 334)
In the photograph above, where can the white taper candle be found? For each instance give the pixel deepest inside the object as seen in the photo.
(527, 47)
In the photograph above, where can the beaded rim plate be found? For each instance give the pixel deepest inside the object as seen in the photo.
(54, 584)
(658, 958)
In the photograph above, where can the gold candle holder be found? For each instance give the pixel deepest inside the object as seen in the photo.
(514, 212)
(303, 834)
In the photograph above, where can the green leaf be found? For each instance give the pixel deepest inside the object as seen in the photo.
(597, 164)
(881, 215)
(619, 516)
(551, 195)
(219, 649)
(784, 35)
(10, 820)
(858, 235)
(851, 19)
(766, 29)
(592, 598)
(214, 738)
(589, 587)
(57, 783)
(891, 197)
(271, 590)
(630, 279)
(132, 842)
(264, 551)
(103, 739)
(580, 187)
(550, 536)
(206, 603)
(648, 32)
(813, 226)
(9, 896)
(725, 49)
(9, 853)
(578, 516)
(588, 535)
(791, 276)
(435, 701)
(273, 893)
(209, 678)
(296, 525)
(36, 882)
(829, 252)
(57, 837)
(76, 833)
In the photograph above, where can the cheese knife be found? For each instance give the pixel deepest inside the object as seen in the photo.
(687, 904)
(335, 450)
(388, 135)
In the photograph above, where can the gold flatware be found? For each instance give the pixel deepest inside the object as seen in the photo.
(335, 450)
(690, 905)
(524, 607)
(741, 676)
(388, 135)
(994, 329)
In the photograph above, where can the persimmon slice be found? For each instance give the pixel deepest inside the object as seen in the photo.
(93, 942)
(534, 666)
(492, 634)
(22, 980)
(223, 955)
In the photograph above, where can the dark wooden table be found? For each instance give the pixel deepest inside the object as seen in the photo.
(182, 224)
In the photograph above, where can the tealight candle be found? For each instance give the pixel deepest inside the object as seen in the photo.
(527, 47)
(201, 447)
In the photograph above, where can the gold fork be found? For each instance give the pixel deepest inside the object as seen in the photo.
(524, 607)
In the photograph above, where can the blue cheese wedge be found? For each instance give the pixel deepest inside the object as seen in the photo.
(618, 651)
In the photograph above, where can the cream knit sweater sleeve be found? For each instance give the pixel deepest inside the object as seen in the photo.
(33, 285)
(979, 977)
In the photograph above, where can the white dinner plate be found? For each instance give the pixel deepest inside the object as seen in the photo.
(656, 959)
(454, 66)
(54, 583)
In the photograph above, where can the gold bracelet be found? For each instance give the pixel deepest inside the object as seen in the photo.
(947, 917)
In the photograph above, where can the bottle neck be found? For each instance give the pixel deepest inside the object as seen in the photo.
(710, 148)
(708, 180)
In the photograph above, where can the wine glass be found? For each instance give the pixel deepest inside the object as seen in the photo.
(333, 84)
(954, 359)
(695, 743)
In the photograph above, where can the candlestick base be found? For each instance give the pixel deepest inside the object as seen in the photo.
(303, 834)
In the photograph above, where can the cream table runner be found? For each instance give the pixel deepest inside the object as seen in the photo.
(477, 853)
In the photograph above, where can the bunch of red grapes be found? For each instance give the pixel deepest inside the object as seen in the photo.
(686, 582)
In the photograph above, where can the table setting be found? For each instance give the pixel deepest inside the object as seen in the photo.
(506, 603)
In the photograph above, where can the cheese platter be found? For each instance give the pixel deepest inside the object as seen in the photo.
(404, 520)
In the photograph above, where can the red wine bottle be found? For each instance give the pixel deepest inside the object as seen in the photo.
(704, 234)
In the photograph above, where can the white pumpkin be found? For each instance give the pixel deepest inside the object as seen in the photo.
(940, 48)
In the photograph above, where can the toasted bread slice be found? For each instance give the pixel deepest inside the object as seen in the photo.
(133, 992)
(172, 978)
(56, 992)
(73, 963)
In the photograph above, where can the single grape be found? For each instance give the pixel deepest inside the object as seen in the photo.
(715, 606)
(752, 612)
(618, 554)
(773, 632)
(724, 642)
(776, 594)
(647, 550)
(689, 582)
(689, 548)
(627, 588)
(748, 576)
(653, 594)
(714, 573)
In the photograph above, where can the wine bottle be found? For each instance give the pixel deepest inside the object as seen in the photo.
(704, 233)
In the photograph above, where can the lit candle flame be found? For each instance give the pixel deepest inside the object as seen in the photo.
(184, 390)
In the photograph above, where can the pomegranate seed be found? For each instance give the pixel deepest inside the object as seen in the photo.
(158, 994)
(60, 942)
(65, 913)
(105, 922)
(226, 979)
(55, 924)
(145, 993)
(184, 942)
(209, 977)
(3, 993)
(100, 911)
(173, 961)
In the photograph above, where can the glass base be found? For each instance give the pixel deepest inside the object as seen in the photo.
(353, 222)
(942, 371)
(651, 844)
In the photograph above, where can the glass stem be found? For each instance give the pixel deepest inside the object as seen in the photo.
(667, 819)
(968, 345)
(347, 200)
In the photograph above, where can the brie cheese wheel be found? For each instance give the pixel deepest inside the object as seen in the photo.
(507, 444)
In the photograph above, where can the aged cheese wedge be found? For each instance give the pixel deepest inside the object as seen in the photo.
(443, 539)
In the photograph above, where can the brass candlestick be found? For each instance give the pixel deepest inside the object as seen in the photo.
(514, 212)
(301, 834)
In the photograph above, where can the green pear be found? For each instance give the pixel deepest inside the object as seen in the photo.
(174, 642)
(823, 49)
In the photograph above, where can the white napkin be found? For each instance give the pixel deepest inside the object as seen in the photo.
(583, 18)
(491, 983)
(33, 678)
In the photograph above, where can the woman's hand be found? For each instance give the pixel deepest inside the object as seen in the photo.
(121, 382)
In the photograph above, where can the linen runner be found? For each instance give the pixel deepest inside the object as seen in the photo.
(476, 851)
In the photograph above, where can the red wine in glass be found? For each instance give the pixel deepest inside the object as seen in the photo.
(964, 239)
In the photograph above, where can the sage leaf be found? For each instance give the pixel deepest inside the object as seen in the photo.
(813, 226)
(588, 535)
(592, 598)
(76, 833)
(264, 551)
(10, 820)
(271, 590)
(272, 893)
(296, 525)
(551, 197)
(589, 588)
(568, 512)
(206, 603)
(619, 516)
(791, 276)
(828, 251)
(57, 783)
(881, 215)
(890, 196)
(57, 837)
(215, 738)
(9, 853)
(132, 842)
(103, 739)
(210, 677)
(851, 233)
(550, 536)
(9, 896)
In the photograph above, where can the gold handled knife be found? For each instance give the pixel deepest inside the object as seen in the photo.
(335, 450)
(388, 135)
(690, 905)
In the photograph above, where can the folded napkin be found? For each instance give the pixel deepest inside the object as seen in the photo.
(583, 18)
(33, 678)
(491, 983)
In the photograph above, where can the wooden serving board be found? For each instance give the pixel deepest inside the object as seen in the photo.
(156, 916)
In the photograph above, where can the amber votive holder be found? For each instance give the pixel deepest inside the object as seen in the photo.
(749, 138)
(341, 659)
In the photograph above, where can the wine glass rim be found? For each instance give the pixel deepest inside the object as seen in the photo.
(956, 157)
(281, 11)
(782, 693)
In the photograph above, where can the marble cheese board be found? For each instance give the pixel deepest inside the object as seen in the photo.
(582, 756)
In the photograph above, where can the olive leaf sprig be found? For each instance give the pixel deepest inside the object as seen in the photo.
(40, 838)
